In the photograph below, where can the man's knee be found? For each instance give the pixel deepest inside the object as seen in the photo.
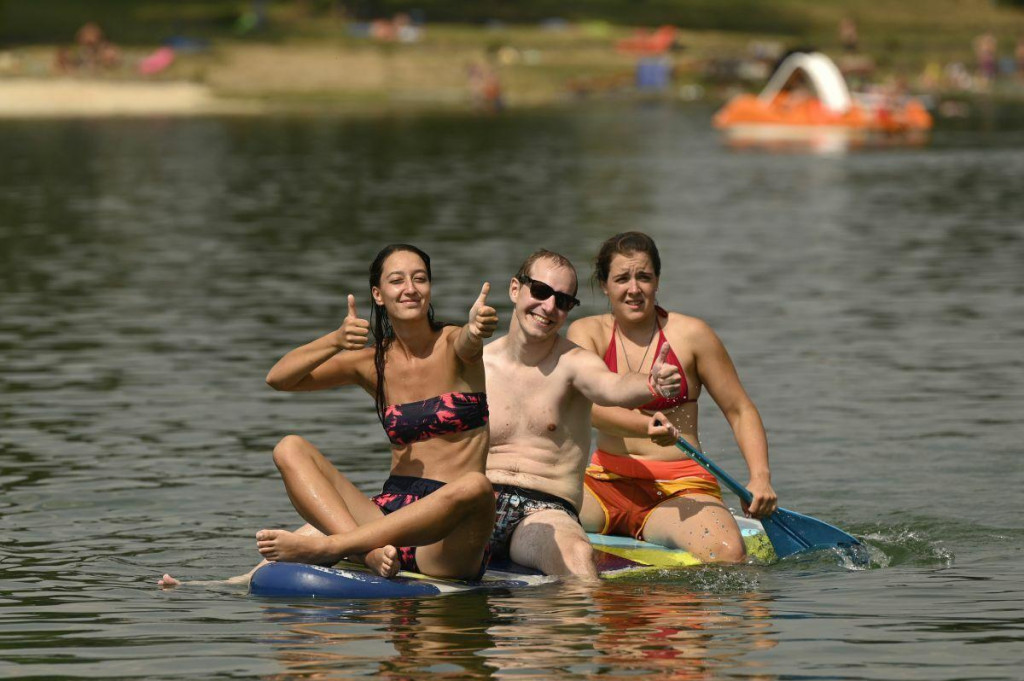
(579, 556)
(289, 450)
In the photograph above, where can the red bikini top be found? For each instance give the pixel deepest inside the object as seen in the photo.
(660, 403)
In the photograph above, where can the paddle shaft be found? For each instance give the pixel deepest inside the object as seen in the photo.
(788, 531)
(744, 494)
(739, 490)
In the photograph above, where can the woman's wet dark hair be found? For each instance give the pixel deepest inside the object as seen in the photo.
(381, 324)
(626, 243)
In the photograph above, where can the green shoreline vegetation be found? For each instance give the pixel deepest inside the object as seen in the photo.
(312, 52)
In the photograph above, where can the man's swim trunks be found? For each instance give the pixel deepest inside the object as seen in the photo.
(400, 491)
(629, 490)
(512, 506)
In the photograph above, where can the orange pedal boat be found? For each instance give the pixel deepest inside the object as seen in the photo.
(829, 118)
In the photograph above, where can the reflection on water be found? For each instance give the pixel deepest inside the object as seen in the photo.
(666, 631)
(399, 639)
(611, 631)
(151, 271)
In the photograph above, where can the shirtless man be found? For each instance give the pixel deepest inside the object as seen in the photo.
(541, 387)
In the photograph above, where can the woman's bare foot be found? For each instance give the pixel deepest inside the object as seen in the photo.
(289, 547)
(384, 561)
(167, 582)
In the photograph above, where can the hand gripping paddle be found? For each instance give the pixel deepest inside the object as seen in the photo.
(788, 531)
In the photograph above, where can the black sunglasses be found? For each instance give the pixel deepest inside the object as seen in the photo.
(541, 291)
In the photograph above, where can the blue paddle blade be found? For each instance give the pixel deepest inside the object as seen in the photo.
(788, 531)
(791, 532)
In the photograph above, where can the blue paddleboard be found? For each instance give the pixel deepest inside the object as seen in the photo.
(615, 556)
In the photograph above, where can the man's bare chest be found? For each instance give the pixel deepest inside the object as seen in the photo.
(526, 403)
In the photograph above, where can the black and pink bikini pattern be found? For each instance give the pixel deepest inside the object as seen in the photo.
(418, 421)
(441, 415)
(400, 491)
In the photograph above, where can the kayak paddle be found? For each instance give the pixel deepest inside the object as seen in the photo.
(788, 531)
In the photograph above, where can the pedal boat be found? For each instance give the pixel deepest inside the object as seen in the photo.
(821, 111)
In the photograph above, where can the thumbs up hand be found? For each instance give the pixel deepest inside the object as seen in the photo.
(483, 319)
(354, 332)
(665, 380)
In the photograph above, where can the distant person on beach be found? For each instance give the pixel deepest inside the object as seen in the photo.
(638, 483)
(848, 36)
(1018, 58)
(986, 58)
(400, 28)
(485, 87)
(92, 51)
(436, 510)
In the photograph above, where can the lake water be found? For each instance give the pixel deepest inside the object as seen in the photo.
(151, 271)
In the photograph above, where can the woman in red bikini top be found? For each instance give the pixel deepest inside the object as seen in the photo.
(639, 484)
(427, 380)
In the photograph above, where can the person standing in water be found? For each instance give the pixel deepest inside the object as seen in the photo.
(638, 483)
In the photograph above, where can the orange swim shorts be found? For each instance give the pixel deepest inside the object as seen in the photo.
(630, 489)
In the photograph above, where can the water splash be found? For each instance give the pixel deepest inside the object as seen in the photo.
(705, 578)
(854, 558)
(891, 546)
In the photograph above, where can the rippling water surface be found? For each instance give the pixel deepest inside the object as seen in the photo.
(151, 271)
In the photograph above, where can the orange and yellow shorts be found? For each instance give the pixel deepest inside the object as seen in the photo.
(630, 489)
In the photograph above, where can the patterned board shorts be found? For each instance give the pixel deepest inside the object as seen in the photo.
(513, 505)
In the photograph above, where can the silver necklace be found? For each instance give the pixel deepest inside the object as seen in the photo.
(625, 355)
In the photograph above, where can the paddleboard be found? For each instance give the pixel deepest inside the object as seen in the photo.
(646, 555)
(616, 557)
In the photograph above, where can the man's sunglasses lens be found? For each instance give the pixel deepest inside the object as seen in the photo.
(541, 291)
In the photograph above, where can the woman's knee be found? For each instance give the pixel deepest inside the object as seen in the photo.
(289, 450)
(474, 489)
(729, 551)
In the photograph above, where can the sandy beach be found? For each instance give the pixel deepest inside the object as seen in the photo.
(254, 79)
(73, 97)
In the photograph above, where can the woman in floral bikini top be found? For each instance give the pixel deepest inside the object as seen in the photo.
(427, 380)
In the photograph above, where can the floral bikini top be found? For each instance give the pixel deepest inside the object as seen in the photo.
(442, 415)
